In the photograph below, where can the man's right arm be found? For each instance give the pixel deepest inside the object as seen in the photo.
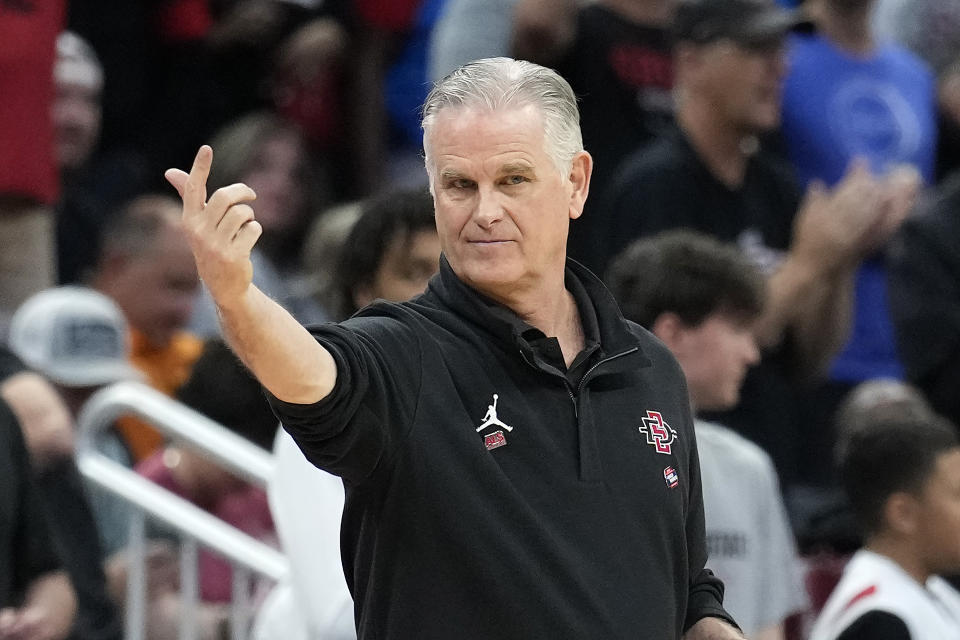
(279, 351)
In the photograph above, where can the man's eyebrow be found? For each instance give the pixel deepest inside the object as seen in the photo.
(451, 174)
(516, 168)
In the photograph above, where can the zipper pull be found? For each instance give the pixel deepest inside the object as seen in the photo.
(573, 399)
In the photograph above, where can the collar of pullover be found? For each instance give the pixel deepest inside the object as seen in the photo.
(602, 321)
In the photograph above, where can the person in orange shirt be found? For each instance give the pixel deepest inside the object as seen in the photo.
(146, 267)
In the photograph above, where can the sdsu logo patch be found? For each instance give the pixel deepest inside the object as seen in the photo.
(658, 433)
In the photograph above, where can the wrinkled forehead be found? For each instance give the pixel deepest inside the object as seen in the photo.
(457, 124)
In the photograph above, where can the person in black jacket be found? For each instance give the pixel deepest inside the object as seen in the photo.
(519, 460)
(924, 288)
(37, 600)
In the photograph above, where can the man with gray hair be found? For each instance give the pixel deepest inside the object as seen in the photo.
(578, 512)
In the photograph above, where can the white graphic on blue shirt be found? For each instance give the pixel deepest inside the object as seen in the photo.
(871, 118)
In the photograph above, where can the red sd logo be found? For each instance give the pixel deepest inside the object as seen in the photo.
(658, 433)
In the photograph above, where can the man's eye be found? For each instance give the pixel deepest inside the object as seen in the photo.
(516, 179)
(460, 183)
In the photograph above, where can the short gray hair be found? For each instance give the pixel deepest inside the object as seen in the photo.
(498, 83)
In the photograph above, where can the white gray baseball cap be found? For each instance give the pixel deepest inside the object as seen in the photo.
(75, 336)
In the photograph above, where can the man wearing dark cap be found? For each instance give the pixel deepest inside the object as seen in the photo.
(709, 174)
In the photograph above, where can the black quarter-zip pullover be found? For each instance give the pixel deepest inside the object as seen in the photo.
(490, 495)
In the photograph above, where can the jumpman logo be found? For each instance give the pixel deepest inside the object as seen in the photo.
(491, 419)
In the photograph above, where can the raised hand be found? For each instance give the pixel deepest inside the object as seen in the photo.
(901, 190)
(222, 230)
(280, 352)
(832, 226)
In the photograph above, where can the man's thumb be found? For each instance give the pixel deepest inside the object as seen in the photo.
(177, 178)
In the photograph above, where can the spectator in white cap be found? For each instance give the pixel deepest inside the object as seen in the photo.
(78, 339)
(75, 336)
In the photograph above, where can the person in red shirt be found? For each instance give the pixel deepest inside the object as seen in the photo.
(28, 171)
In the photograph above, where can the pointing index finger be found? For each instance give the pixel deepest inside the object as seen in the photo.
(195, 190)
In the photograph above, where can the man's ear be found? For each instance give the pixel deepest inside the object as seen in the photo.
(901, 513)
(580, 171)
(670, 329)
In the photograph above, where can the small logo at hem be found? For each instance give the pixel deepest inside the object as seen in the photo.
(670, 477)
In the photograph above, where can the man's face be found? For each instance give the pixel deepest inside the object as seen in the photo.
(408, 264)
(744, 85)
(502, 206)
(76, 121)
(715, 356)
(157, 289)
(939, 517)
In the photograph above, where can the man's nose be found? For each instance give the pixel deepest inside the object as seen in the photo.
(489, 208)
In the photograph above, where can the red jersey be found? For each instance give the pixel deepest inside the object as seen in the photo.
(28, 33)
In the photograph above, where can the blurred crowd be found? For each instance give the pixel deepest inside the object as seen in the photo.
(811, 165)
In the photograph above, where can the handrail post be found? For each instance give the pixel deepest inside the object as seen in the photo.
(136, 614)
(240, 604)
(189, 588)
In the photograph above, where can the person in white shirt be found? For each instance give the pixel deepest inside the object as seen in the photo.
(900, 466)
(702, 298)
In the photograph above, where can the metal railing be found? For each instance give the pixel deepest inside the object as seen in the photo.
(195, 526)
